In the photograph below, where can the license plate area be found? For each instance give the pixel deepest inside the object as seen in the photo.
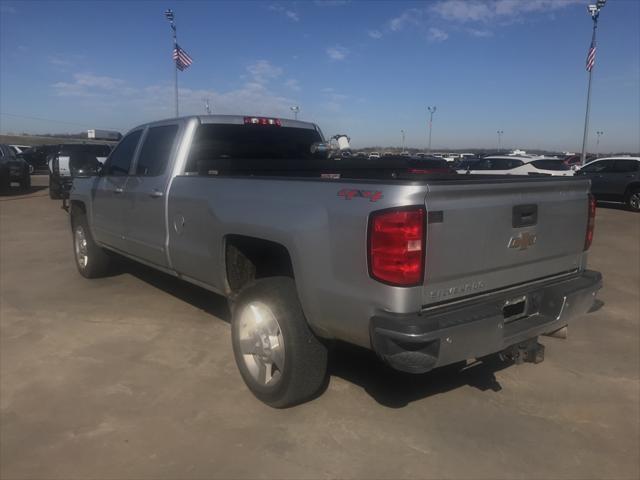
(514, 308)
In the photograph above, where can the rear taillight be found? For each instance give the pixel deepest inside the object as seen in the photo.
(275, 122)
(397, 246)
(591, 222)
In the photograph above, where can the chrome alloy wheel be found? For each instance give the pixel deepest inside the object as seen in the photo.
(634, 200)
(261, 343)
(80, 246)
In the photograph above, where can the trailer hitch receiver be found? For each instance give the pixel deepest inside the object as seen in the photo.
(529, 351)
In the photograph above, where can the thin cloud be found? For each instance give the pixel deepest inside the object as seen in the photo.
(263, 71)
(290, 14)
(293, 84)
(464, 11)
(377, 34)
(337, 53)
(406, 18)
(437, 35)
(331, 3)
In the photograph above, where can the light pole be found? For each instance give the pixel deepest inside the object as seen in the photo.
(594, 11)
(431, 111)
(500, 132)
(402, 132)
(598, 134)
(207, 107)
(295, 109)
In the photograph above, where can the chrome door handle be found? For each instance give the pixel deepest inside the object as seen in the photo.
(156, 193)
(118, 190)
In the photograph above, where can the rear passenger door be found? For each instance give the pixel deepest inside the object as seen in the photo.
(147, 190)
(624, 171)
(109, 205)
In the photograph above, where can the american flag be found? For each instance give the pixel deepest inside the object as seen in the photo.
(182, 58)
(591, 56)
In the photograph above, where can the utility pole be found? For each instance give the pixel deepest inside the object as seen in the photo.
(598, 134)
(594, 11)
(295, 109)
(402, 132)
(500, 132)
(431, 111)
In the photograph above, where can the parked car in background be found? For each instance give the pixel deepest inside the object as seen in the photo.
(374, 155)
(69, 159)
(615, 179)
(430, 165)
(512, 165)
(36, 156)
(13, 169)
(17, 149)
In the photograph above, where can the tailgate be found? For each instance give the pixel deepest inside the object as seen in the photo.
(488, 235)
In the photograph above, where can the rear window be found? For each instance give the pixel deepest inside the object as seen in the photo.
(498, 164)
(95, 150)
(216, 146)
(550, 165)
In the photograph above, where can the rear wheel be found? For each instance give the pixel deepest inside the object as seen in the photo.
(92, 260)
(633, 199)
(280, 359)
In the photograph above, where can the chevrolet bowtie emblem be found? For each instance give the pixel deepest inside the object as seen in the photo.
(523, 241)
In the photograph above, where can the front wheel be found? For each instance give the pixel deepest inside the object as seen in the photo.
(280, 359)
(633, 200)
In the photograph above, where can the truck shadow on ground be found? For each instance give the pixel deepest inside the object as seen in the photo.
(207, 301)
(395, 389)
(356, 365)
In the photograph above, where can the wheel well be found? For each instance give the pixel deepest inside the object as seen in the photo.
(77, 208)
(250, 258)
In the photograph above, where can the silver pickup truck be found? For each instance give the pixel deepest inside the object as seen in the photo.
(425, 269)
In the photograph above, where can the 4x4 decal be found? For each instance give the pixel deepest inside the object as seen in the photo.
(349, 194)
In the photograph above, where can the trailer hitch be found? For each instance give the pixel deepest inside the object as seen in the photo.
(529, 351)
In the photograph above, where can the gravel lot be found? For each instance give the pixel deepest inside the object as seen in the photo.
(133, 376)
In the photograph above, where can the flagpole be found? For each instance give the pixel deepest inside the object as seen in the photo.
(175, 67)
(586, 116)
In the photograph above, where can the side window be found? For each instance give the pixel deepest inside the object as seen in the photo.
(626, 166)
(119, 161)
(598, 167)
(514, 164)
(156, 150)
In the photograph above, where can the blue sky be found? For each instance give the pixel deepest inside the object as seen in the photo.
(368, 69)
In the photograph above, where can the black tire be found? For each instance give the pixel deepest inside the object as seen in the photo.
(305, 356)
(54, 189)
(25, 184)
(98, 262)
(632, 199)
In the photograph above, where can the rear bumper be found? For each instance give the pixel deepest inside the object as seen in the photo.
(419, 342)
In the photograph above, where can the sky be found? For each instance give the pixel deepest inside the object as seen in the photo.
(368, 69)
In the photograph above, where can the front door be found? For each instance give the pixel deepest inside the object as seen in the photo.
(109, 202)
(147, 189)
